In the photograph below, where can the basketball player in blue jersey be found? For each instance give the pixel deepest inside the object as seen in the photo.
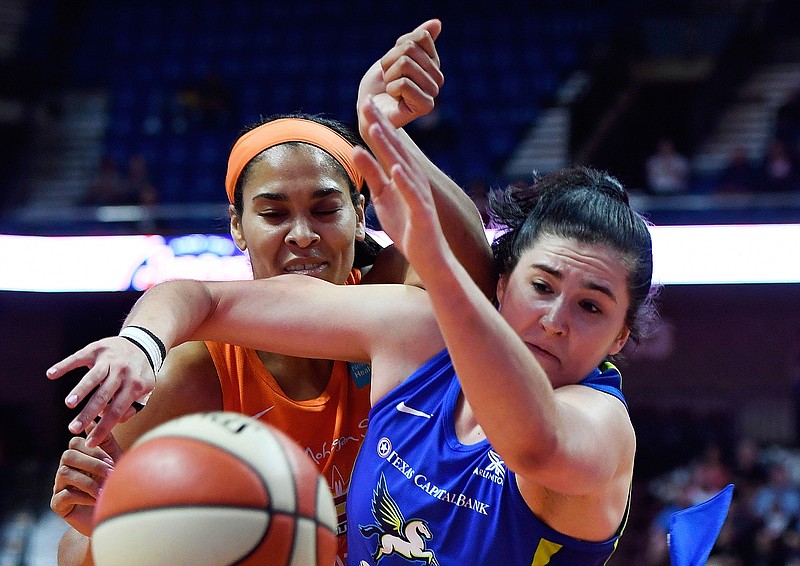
(513, 444)
(498, 432)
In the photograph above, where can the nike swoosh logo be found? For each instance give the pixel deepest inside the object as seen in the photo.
(262, 413)
(403, 408)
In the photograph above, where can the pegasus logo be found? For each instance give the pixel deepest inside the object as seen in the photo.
(395, 534)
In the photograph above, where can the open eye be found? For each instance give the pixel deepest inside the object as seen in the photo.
(591, 307)
(541, 287)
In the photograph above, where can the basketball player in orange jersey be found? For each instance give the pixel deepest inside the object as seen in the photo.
(286, 223)
(498, 430)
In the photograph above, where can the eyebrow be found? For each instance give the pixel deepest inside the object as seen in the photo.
(281, 197)
(558, 274)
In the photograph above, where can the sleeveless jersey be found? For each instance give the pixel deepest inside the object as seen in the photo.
(422, 495)
(329, 428)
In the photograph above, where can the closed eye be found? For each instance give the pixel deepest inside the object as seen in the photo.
(273, 214)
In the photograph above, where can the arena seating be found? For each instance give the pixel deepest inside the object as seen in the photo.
(501, 66)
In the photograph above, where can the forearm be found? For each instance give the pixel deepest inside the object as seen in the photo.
(460, 221)
(508, 390)
(403, 86)
(280, 314)
(173, 310)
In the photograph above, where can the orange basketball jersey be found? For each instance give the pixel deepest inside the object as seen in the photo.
(329, 429)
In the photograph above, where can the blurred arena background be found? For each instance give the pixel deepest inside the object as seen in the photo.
(153, 94)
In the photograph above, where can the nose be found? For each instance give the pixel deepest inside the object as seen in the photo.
(301, 233)
(554, 320)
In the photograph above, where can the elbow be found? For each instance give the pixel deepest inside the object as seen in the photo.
(179, 288)
(534, 452)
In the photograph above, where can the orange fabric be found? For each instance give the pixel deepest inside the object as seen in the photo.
(329, 429)
(285, 130)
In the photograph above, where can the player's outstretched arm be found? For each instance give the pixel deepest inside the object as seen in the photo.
(294, 315)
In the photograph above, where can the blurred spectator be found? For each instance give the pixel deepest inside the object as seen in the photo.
(777, 502)
(137, 184)
(710, 474)
(749, 470)
(109, 188)
(740, 175)
(763, 524)
(777, 506)
(206, 104)
(667, 170)
(780, 168)
(106, 187)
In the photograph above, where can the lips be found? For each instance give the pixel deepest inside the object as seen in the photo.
(542, 354)
(306, 267)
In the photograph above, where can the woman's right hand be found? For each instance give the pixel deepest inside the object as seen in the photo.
(81, 473)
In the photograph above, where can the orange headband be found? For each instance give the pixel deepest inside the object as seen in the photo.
(285, 130)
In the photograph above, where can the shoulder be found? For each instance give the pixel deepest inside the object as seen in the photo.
(390, 266)
(605, 414)
(595, 402)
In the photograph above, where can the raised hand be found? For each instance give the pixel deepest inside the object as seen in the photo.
(119, 374)
(404, 82)
(81, 473)
(401, 192)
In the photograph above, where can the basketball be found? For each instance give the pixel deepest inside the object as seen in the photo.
(215, 488)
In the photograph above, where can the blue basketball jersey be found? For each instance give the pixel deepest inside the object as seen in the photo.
(423, 497)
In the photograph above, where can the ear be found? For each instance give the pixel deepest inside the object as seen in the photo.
(502, 283)
(361, 220)
(236, 229)
(620, 341)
